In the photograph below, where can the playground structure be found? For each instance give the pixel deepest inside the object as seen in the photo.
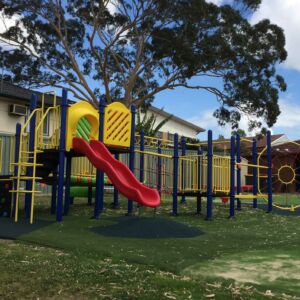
(285, 174)
(36, 160)
(81, 130)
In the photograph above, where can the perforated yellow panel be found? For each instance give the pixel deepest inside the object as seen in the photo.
(117, 125)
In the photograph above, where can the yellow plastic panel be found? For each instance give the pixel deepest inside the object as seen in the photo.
(75, 113)
(117, 125)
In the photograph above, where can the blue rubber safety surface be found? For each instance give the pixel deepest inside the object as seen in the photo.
(11, 230)
(147, 228)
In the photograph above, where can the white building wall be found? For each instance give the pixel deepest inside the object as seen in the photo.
(173, 127)
(7, 121)
(52, 125)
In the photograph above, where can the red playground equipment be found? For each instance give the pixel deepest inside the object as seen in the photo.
(119, 174)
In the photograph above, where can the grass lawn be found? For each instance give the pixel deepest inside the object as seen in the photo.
(254, 256)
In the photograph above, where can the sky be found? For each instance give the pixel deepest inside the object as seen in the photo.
(198, 107)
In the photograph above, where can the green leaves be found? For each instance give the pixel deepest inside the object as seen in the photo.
(133, 50)
(148, 125)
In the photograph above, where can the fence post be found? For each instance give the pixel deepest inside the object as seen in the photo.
(209, 176)
(62, 154)
(232, 176)
(269, 157)
(239, 171)
(99, 197)
(175, 175)
(29, 171)
(159, 167)
(131, 154)
(54, 191)
(67, 185)
(183, 153)
(142, 159)
(199, 198)
(116, 193)
(254, 172)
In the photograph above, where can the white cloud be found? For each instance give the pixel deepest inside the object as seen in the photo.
(112, 6)
(289, 117)
(6, 23)
(217, 2)
(208, 121)
(286, 14)
(287, 123)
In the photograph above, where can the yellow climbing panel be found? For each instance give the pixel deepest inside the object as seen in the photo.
(117, 125)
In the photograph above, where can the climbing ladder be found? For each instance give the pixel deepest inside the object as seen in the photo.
(27, 163)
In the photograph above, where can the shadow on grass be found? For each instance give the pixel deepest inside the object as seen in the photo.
(11, 230)
(147, 228)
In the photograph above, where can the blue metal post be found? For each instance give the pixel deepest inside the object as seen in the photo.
(99, 197)
(183, 153)
(17, 149)
(254, 172)
(238, 173)
(232, 176)
(116, 193)
(159, 168)
(142, 159)
(175, 175)
(131, 154)
(209, 176)
(29, 171)
(142, 156)
(67, 185)
(62, 155)
(54, 191)
(269, 157)
(199, 198)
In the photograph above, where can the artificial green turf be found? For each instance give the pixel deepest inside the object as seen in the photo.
(253, 256)
(286, 199)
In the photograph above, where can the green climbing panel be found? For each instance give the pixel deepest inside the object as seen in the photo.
(83, 129)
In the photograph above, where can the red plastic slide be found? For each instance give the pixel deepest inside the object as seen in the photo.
(118, 173)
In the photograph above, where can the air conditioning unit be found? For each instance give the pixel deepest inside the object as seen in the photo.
(19, 110)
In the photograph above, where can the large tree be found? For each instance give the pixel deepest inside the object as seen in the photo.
(131, 50)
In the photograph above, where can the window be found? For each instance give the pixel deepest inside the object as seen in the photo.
(170, 136)
(159, 134)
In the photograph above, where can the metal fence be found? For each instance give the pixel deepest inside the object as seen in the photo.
(157, 171)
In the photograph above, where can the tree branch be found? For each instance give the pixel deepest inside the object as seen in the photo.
(70, 53)
(42, 61)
